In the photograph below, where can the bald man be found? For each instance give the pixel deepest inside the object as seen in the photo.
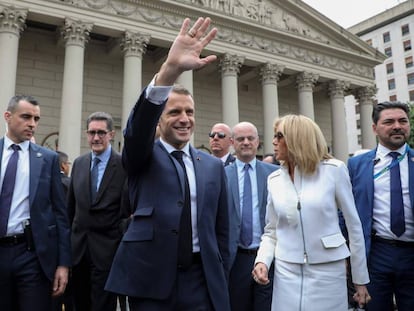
(220, 143)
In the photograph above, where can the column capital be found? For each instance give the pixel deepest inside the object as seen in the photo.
(270, 73)
(306, 80)
(337, 88)
(12, 19)
(76, 32)
(364, 94)
(230, 64)
(134, 43)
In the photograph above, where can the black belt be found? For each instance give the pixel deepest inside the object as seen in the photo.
(11, 240)
(397, 243)
(197, 257)
(248, 251)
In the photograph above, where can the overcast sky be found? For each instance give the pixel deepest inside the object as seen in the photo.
(350, 12)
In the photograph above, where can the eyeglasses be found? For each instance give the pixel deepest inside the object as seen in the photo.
(220, 135)
(278, 136)
(242, 138)
(100, 133)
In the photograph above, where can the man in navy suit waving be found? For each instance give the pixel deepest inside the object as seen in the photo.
(174, 255)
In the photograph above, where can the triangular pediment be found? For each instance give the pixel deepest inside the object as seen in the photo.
(291, 17)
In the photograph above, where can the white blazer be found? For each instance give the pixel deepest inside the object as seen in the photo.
(302, 223)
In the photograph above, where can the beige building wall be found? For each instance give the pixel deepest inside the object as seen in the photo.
(304, 51)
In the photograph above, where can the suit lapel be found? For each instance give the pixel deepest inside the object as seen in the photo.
(411, 175)
(261, 193)
(199, 179)
(36, 164)
(368, 167)
(110, 170)
(234, 188)
(1, 152)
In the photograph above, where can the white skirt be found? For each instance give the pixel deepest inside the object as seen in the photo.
(305, 287)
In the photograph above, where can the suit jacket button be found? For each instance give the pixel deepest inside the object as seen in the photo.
(180, 203)
(174, 231)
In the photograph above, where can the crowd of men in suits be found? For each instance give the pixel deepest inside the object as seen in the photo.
(169, 226)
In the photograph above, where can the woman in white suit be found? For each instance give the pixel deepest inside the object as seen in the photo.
(302, 231)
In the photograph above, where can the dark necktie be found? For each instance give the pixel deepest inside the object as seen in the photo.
(94, 178)
(397, 204)
(7, 189)
(246, 232)
(185, 241)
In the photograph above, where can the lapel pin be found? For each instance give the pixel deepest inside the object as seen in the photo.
(38, 154)
(412, 159)
(198, 159)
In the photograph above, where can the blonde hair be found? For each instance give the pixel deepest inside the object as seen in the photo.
(304, 140)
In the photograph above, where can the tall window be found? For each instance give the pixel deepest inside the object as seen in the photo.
(410, 78)
(386, 37)
(405, 29)
(407, 45)
(388, 51)
(411, 94)
(390, 68)
(391, 84)
(409, 62)
(393, 98)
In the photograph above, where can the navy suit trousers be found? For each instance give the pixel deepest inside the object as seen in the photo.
(23, 285)
(245, 293)
(391, 270)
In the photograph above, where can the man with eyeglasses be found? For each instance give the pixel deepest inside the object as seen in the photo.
(95, 204)
(220, 143)
(247, 199)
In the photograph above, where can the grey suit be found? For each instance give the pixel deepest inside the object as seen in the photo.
(245, 294)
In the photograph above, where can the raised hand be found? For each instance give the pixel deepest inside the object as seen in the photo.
(185, 51)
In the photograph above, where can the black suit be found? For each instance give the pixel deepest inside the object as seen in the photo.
(96, 230)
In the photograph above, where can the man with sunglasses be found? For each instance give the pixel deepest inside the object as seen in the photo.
(220, 143)
(95, 199)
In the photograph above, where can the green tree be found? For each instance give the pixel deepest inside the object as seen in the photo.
(411, 115)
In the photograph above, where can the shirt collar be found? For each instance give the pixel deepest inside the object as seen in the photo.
(8, 142)
(169, 148)
(240, 164)
(383, 151)
(104, 156)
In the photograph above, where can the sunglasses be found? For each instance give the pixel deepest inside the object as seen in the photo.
(220, 135)
(278, 136)
(100, 133)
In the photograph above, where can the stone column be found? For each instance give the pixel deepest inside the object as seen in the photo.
(75, 34)
(364, 97)
(186, 80)
(12, 23)
(338, 119)
(270, 74)
(133, 45)
(305, 83)
(230, 67)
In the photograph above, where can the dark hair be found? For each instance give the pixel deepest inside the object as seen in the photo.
(63, 157)
(101, 116)
(14, 101)
(179, 89)
(387, 105)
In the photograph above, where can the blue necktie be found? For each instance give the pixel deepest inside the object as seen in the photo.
(246, 232)
(397, 204)
(185, 237)
(94, 178)
(6, 195)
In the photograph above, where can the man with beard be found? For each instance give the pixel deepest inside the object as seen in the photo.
(383, 187)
